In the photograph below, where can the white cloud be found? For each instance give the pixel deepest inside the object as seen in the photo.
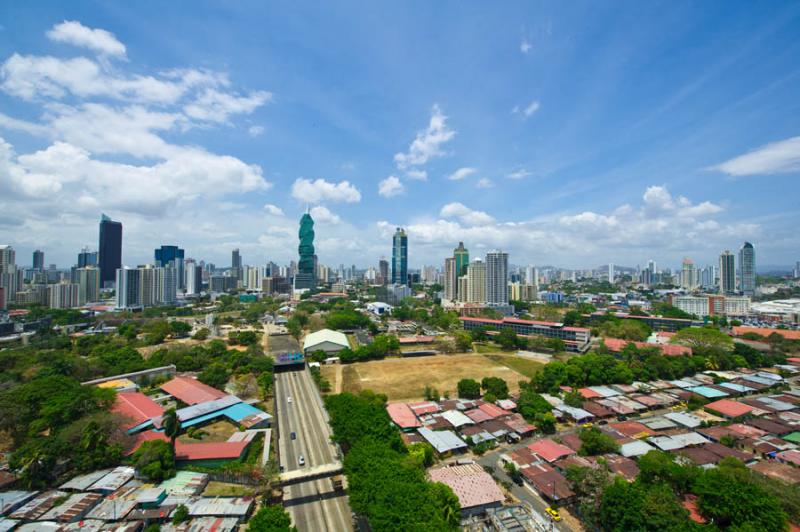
(465, 214)
(255, 131)
(461, 173)
(391, 186)
(321, 214)
(273, 209)
(428, 143)
(529, 109)
(484, 182)
(320, 190)
(518, 174)
(525, 46)
(215, 106)
(74, 33)
(775, 158)
(419, 175)
(9, 122)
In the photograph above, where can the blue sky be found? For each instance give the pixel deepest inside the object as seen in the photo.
(569, 134)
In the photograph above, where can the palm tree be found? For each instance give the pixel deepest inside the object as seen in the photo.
(172, 427)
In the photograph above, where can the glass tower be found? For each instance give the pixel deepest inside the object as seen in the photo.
(400, 257)
(109, 250)
(306, 275)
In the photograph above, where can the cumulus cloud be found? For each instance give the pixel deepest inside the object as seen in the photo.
(391, 186)
(273, 209)
(320, 190)
(323, 215)
(255, 131)
(216, 106)
(528, 110)
(518, 174)
(419, 175)
(525, 46)
(484, 182)
(101, 41)
(464, 214)
(775, 158)
(429, 142)
(461, 173)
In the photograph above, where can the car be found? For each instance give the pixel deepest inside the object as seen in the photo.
(293, 436)
(289, 400)
(587, 425)
(301, 460)
(554, 515)
(602, 422)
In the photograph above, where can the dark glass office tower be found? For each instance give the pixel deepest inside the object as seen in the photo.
(400, 257)
(38, 260)
(306, 275)
(110, 250)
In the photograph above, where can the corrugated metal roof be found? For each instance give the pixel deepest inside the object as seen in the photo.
(219, 506)
(191, 391)
(114, 480)
(682, 418)
(442, 440)
(705, 391)
(82, 482)
(456, 418)
(325, 335)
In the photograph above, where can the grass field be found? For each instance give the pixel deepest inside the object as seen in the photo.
(526, 366)
(406, 378)
(222, 489)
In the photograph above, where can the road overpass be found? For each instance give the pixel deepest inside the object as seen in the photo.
(308, 489)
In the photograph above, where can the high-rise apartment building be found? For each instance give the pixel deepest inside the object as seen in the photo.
(400, 257)
(88, 281)
(166, 255)
(450, 279)
(87, 258)
(128, 288)
(727, 273)
(383, 271)
(38, 261)
(497, 278)
(747, 269)
(476, 282)
(611, 272)
(109, 250)
(689, 276)
(194, 277)
(63, 295)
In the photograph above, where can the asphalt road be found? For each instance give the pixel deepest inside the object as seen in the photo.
(314, 505)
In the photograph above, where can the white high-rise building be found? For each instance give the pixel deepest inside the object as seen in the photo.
(88, 280)
(128, 288)
(689, 276)
(497, 278)
(476, 282)
(194, 278)
(611, 272)
(450, 279)
(63, 295)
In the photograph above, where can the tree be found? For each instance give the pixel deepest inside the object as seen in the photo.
(594, 442)
(202, 334)
(574, 399)
(155, 460)
(172, 426)
(626, 329)
(469, 389)
(271, 518)
(214, 375)
(704, 340)
(495, 386)
(546, 422)
(463, 341)
(180, 515)
(506, 339)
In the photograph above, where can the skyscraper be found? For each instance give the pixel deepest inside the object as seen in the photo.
(172, 255)
(497, 278)
(236, 264)
(689, 277)
(450, 279)
(128, 288)
(110, 249)
(747, 269)
(727, 273)
(194, 277)
(476, 282)
(306, 275)
(461, 254)
(383, 269)
(38, 260)
(87, 258)
(611, 272)
(400, 257)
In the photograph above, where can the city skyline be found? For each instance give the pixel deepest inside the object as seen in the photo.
(218, 155)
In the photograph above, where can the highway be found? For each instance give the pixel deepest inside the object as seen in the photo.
(314, 505)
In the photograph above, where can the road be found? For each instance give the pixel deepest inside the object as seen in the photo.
(314, 505)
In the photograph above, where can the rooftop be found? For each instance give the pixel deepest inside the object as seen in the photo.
(191, 391)
(402, 416)
(729, 408)
(550, 450)
(472, 485)
(442, 440)
(325, 335)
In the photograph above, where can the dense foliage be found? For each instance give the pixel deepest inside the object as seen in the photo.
(469, 389)
(382, 345)
(594, 442)
(155, 460)
(386, 483)
(271, 518)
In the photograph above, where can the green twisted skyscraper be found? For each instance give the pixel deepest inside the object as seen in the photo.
(306, 275)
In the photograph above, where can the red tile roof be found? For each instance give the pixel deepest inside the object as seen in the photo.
(729, 408)
(137, 407)
(210, 451)
(477, 415)
(402, 416)
(632, 429)
(426, 407)
(616, 345)
(493, 410)
(764, 331)
(588, 393)
(550, 450)
(191, 391)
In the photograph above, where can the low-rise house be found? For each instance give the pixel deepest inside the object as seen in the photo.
(443, 441)
(475, 488)
(549, 450)
(191, 391)
(548, 483)
(73, 509)
(728, 408)
(403, 416)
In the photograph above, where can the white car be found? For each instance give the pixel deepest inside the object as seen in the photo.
(301, 460)
(289, 400)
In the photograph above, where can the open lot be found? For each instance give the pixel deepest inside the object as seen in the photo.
(406, 378)
(216, 432)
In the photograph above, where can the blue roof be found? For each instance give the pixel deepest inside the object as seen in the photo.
(240, 411)
(705, 391)
(736, 387)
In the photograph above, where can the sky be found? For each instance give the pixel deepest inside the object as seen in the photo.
(569, 134)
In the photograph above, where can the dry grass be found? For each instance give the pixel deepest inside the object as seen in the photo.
(218, 431)
(406, 378)
(223, 489)
(526, 366)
